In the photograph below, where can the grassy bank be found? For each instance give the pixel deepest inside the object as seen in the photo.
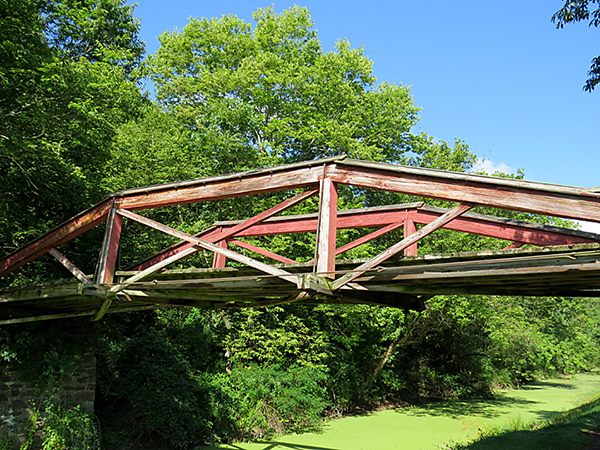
(571, 430)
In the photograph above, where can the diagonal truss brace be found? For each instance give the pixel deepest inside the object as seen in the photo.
(287, 204)
(208, 246)
(262, 251)
(369, 237)
(187, 250)
(404, 243)
(154, 268)
(248, 223)
(77, 273)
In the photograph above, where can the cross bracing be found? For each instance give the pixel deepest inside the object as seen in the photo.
(539, 260)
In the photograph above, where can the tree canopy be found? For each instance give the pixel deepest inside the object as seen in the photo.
(68, 73)
(270, 93)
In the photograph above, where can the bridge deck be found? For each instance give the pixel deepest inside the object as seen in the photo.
(570, 270)
(563, 262)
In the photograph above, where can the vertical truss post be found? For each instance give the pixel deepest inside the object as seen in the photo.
(410, 228)
(326, 233)
(110, 248)
(219, 260)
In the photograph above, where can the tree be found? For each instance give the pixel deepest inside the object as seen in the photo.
(577, 11)
(256, 97)
(68, 72)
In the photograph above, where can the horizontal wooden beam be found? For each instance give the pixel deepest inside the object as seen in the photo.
(507, 229)
(67, 315)
(225, 188)
(526, 197)
(565, 270)
(498, 227)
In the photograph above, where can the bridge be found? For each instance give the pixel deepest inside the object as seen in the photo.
(537, 260)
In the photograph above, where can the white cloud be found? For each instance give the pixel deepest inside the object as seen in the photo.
(489, 167)
(591, 227)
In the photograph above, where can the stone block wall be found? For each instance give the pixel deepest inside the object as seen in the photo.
(17, 395)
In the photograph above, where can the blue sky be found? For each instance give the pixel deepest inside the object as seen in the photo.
(497, 75)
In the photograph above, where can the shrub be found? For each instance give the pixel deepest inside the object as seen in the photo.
(61, 428)
(271, 401)
(148, 391)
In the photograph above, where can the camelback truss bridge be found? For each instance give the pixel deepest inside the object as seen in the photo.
(539, 260)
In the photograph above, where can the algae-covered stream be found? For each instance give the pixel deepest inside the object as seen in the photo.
(429, 426)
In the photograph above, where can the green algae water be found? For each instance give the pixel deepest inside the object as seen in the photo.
(431, 426)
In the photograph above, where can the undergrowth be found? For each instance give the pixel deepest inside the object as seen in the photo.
(570, 430)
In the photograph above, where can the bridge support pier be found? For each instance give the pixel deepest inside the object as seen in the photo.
(19, 398)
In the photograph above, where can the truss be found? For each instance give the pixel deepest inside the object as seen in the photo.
(553, 261)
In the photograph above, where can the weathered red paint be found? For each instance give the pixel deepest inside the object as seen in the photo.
(404, 243)
(505, 231)
(63, 233)
(262, 251)
(518, 195)
(369, 237)
(327, 231)
(409, 229)
(219, 260)
(110, 248)
(373, 218)
(526, 197)
(220, 189)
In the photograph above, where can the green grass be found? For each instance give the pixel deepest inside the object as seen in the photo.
(566, 431)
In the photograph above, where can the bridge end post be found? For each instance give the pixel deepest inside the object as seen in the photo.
(107, 261)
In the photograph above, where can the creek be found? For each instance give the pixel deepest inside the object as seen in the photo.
(429, 426)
